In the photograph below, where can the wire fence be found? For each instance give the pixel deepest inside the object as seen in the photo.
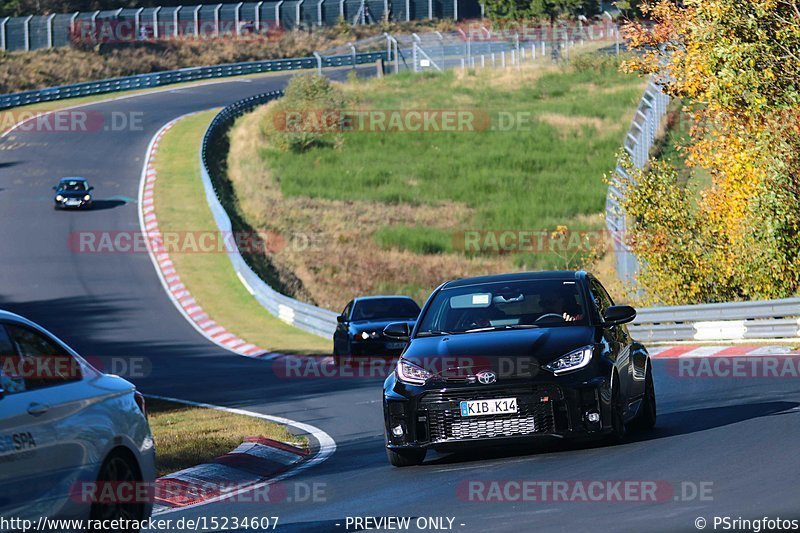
(213, 20)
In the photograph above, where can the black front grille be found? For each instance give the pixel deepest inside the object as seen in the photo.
(442, 410)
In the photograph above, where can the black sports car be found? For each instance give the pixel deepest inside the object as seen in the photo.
(499, 359)
(73, 193)
(360, 328)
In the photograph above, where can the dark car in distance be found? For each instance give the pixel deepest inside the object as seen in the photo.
(73, 193)
(359, 331)
(511, 358)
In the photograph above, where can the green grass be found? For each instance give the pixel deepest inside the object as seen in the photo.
(181, 205)
(187, 436)
(546, 174)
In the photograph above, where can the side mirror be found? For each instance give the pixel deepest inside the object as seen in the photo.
(397, 330)
(341, 319)
(619, 314)
(90, 189)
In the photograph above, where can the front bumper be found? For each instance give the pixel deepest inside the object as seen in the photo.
(563, 407)
(83, 204)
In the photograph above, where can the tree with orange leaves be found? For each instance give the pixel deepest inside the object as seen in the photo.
(736, 66)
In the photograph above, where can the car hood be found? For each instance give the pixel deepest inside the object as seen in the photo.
(376, 325)
(511, 353)
(73, 194)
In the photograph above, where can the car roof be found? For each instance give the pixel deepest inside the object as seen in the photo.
(394, 296)
(74, 178)
(517, 276)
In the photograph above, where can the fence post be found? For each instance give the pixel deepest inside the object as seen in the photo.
(319, 62)
(483, 15)
(236, 19)
(319, 12)
(278, 12)
(258, 16)
(50, 30)
(297, 13)
(175, 20)
(430, 9)
(137, 22)
(196, 19)
(27, 30)
(216, 19)
(3, 45)
(155, 22)
(455, 9)
(408, 10)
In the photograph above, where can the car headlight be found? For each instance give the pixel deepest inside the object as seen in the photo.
(87, 198)
(59, 198)
(572, 361)
(369, 335)
(408, 372)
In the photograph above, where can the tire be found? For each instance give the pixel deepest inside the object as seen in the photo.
(401, 458)
(646, 418)
(118, 468)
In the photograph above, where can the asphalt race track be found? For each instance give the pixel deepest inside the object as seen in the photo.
(737, 436)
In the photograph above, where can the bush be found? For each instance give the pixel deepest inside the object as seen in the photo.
(308, 115)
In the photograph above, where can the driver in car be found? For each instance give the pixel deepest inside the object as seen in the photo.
(556, 303)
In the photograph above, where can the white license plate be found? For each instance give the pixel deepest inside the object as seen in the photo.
(73, 202)
(394, 345)
(497, 406)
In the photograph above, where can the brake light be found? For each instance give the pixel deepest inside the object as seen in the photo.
(139, 397)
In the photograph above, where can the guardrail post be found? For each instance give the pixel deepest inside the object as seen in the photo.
(319, 12)
(278, 12)
(258, 16)
(155, 22)
(175, 20)
(137, 22)
(319, 62)
(353, 48)
(72, 20)
(50, 30)
(27, 30)
(216, 19)
(3, 45)
(414, 56)
(441, 44)
(297, 13)
(236, 12)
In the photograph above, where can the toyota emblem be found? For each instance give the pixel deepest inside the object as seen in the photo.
(485, 377)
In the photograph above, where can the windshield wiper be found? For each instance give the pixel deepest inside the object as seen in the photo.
(507, 326)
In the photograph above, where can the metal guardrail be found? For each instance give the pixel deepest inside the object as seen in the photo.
(640, 137)
(307, 317)
(158, 79)
(767, 319)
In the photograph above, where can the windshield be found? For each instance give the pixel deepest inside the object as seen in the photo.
(380, 308)
(504, 305)
(73, 185)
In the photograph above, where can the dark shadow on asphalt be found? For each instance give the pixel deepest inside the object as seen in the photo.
(668, 425)
(8, 164)
(99, 205)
